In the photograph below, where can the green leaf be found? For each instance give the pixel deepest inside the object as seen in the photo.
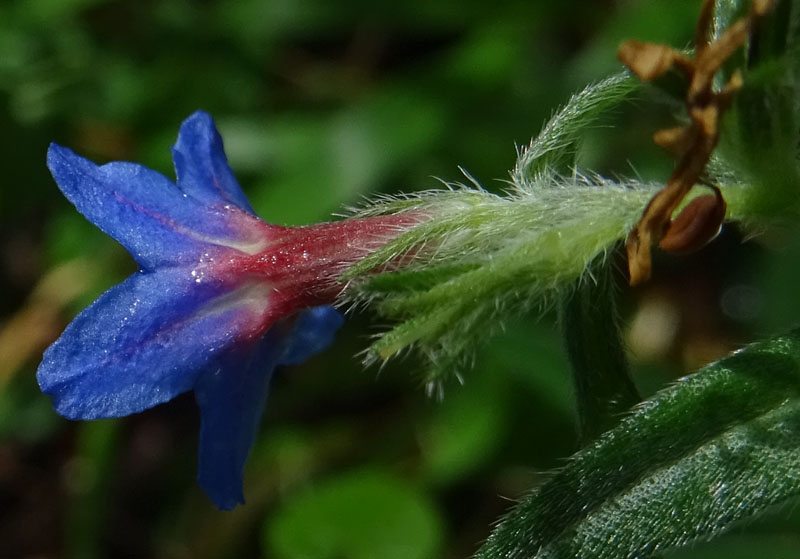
(357, 516)
(717, 447)
(555, 146)
(745, 547)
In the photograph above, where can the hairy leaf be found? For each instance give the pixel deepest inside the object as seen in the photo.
(719, 446)
(556, 144)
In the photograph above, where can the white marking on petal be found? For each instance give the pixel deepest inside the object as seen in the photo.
(253, 297)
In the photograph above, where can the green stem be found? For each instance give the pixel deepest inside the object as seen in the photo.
(603, 387)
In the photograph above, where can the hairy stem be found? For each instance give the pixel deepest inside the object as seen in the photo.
(603, 386)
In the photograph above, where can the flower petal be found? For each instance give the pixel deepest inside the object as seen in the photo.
(201, 166)
(144, 341)
(148, 214)
(232, 395)
(313, 332)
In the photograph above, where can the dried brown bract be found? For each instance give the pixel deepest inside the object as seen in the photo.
(700, 221)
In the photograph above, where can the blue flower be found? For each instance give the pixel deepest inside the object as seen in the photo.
(220, 300)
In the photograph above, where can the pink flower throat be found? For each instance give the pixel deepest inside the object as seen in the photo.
(300, 265)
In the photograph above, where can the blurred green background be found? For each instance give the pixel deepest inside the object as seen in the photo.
(320, 104)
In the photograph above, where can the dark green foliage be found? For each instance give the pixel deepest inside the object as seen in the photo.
(590, 323)
(719, 446)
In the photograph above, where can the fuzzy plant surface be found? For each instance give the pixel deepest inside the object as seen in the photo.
(687, 464)
(482, 256)
(221, 298)
(719, 446)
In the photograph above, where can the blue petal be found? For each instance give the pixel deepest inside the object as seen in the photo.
(231, 399)
(201, 165)
(142, 343)
(150, 216)
(232, 395)
(313, 332)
